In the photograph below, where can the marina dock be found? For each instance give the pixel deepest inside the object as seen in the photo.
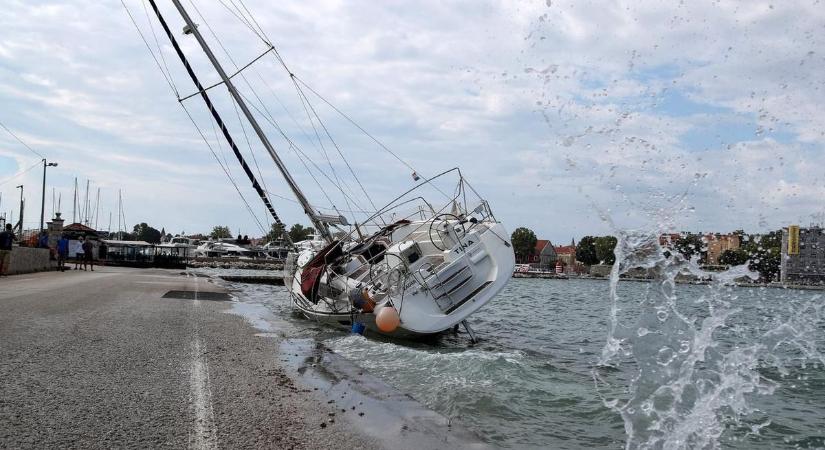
(123, 357)
(553, 275)
(277, 280)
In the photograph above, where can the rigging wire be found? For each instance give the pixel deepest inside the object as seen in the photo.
(303, 157)
(21, 141)
(251, 16)
(354, 123)
(336, 145)
(324, 151)
(295, 148)
(249, 144)
(220, 146)
(304, 102)
(242, 20)
(243, 198)
(320, 207)
(148, 47)
(160, 52)
(284, 108)
(292, 145)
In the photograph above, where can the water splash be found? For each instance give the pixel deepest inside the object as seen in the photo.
(696, 369)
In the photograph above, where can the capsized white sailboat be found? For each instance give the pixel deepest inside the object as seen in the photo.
(416, 267)
(420, 275)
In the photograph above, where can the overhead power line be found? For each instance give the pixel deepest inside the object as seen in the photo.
(19, 173)
(21, 141)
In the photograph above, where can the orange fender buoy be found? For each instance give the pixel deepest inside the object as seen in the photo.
(387, 319)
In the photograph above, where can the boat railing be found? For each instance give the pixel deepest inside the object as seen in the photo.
(463, 201)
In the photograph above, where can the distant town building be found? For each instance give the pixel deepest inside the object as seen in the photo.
(544, 256)
(78, 230)
(803, 255)
(716, 244)
(668, 239)
(566, 254)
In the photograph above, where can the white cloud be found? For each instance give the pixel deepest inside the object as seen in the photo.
(560, 107)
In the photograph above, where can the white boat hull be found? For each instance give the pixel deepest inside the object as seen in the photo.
(473, 271)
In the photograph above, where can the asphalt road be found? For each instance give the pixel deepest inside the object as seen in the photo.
(100, 360)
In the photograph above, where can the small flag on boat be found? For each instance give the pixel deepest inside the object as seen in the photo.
(415, 176)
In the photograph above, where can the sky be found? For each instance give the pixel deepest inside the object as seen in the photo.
(571, 118)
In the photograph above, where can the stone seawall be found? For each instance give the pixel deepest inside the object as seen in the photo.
(26, 260)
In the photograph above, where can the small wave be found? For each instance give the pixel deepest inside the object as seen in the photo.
(359, 345)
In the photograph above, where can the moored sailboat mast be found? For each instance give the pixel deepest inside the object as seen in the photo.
(319, 225)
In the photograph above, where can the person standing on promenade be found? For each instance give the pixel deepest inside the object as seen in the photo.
(6, 239)
(43, 240)
(88, 258)
(101, 253)
(62, 252)
(78, 256)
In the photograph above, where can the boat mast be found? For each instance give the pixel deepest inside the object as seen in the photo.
(74, 202)
(119, 209)
(192, 27)
(97, 208)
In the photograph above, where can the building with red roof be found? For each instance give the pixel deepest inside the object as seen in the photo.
(543, 257)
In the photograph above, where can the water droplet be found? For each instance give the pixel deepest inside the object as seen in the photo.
(665, 356)
(647, 406)
(661, 315)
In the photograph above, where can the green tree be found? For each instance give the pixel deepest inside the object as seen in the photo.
(123, 235)
(143, 232)
(276, 232)
(605, 246)
(586, 251)
(219, 232)
(733, 257)
(765, 254)
(299, 233)
(690, 245)
(524, 243)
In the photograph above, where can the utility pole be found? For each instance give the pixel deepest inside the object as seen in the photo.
(21, 208)
(43, 197)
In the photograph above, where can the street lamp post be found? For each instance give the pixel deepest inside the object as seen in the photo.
(43, 198)
(21, 208)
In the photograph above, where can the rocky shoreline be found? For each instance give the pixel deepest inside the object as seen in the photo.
(218, 263)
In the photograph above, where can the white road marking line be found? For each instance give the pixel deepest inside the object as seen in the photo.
(204, 433)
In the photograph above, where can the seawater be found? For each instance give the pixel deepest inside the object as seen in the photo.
(572, 364)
